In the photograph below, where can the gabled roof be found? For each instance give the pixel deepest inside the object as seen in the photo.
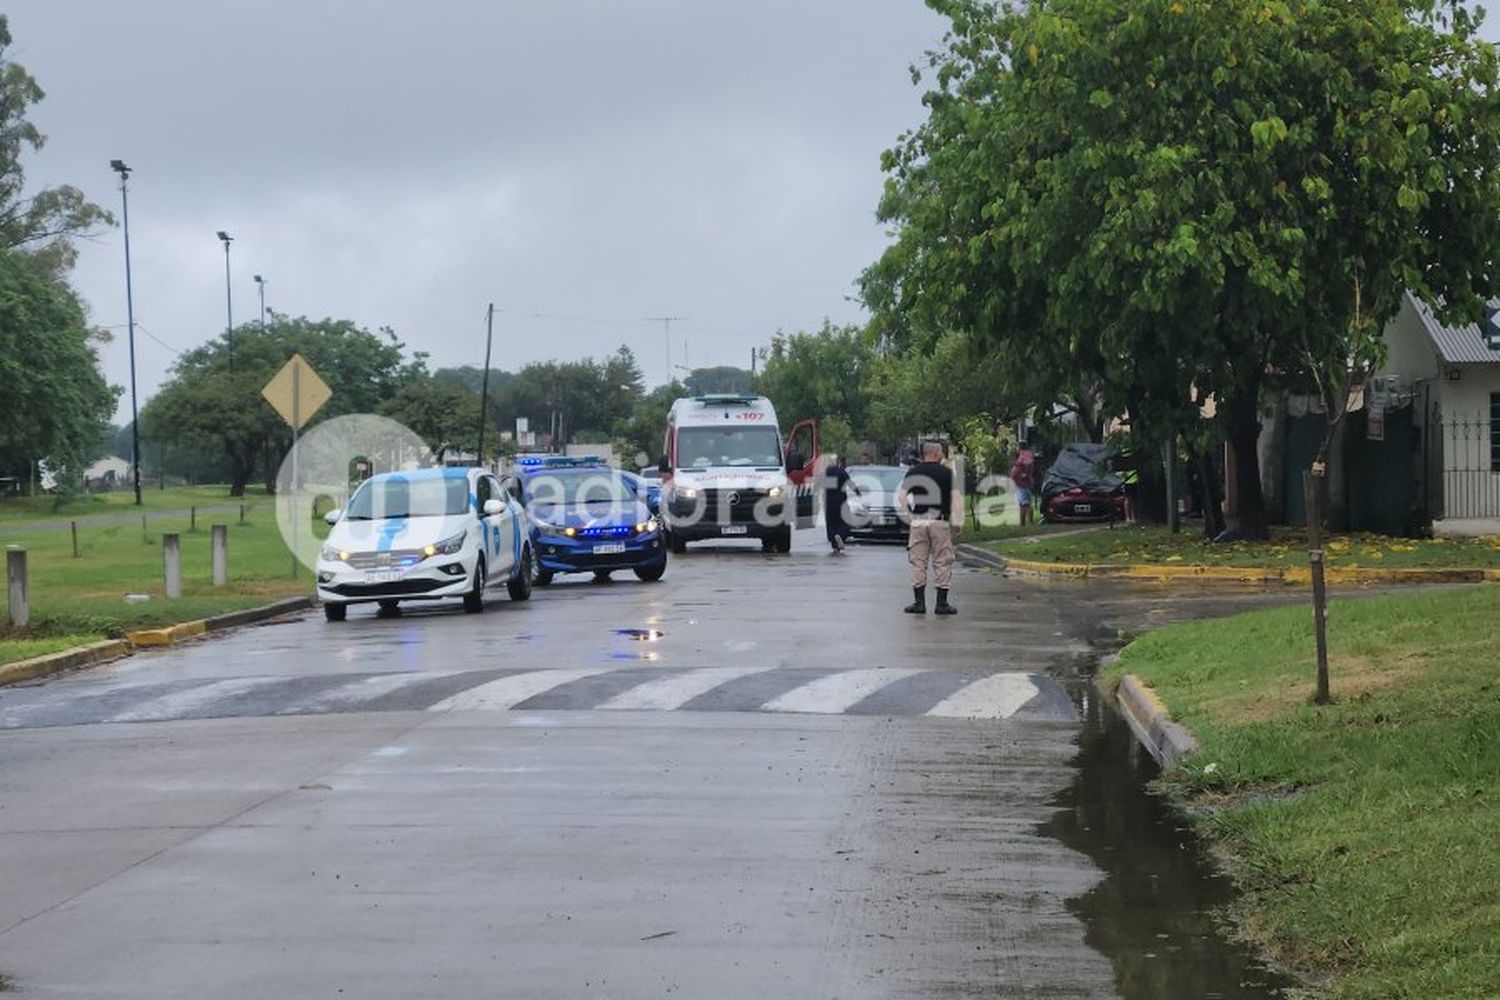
(1456, 345)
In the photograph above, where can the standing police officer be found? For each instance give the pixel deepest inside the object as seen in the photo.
(927, 493)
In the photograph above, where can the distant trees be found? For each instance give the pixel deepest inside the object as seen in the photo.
(208, 404)
(820, 374)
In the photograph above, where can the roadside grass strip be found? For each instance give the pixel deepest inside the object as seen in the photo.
(85, 597)
(1364, 834)
(1159, 553)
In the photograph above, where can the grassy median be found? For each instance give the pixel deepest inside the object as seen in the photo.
(83, 599)
(1154, 544)
(1363, 833)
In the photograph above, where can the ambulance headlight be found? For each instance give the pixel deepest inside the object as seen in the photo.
(447, 546)
(687, 493)
(775, 492)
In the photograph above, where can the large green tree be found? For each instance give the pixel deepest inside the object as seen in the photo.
(42, 222)
(54, 401)
(819, 375)
(1175, 197)
(208, 403)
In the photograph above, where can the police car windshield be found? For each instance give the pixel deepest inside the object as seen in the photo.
(705, 447)
(592, 486)
(402, 497)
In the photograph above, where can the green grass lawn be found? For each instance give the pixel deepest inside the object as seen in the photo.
(1155, 544)
(122, 502)
(1364, 834)
(84, 598)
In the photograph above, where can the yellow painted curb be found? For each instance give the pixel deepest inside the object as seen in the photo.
(52, 663)
(1298, 575)
(166, 636)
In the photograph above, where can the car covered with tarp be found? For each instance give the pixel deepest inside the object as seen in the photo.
(1079, 486)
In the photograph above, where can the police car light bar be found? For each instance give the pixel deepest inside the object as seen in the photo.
(562, 462)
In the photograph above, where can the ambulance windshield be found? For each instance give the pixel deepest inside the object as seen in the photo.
(708, 447)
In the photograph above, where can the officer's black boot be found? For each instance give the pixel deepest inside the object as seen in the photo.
(918, 606)
(943, 607)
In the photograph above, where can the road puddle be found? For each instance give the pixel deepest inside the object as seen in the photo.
(1154, 915)
(640, 634)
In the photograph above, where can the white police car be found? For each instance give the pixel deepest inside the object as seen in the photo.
(422, 536)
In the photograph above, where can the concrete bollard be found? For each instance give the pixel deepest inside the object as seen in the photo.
(15, 575)
(221, 554)
(171, 557)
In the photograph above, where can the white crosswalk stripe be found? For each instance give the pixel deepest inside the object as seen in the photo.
(998, 696)
(508, 692)
(836, 692)
(667, 693)
(348, 697)
(179, 704)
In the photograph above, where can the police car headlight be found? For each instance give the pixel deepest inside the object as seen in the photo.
(556, 530)
(331, 554)
(447, 546)
(775, 492)
(645, 526)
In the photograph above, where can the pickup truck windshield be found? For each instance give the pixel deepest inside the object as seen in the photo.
(401, 497)
(707, 447)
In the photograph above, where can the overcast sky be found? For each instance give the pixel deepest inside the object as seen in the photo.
(403, 164)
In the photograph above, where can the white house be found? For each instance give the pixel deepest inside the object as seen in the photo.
(107, 472)
(1454, 373)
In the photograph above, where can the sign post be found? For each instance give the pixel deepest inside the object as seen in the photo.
(296, 393)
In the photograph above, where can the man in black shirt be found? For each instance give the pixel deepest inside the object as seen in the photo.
(927, 492)
(836, 484)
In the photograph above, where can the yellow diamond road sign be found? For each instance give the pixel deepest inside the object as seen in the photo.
(296, 392)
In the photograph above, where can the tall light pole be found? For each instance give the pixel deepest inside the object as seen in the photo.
(262, 283)
(226, 239)
(119, 167)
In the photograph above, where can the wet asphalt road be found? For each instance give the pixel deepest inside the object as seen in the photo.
(756, 778)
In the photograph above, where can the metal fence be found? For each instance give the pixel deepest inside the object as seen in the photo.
(1464, 457)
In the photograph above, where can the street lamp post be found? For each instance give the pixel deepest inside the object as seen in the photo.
(226, 239)
(119, 167)
(262, 283)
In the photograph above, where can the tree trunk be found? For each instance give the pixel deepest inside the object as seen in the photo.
(1244, 437)
(1208, 479)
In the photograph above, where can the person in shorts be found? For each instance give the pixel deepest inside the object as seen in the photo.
(1023, 474)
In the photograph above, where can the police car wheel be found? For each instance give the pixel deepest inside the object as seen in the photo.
(650, 574)
(601, 576)
(335, 612)
(474, 599)
(519, 586)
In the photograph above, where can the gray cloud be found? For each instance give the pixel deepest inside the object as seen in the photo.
(598, 162)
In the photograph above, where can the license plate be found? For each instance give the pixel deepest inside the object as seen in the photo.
(1083, 508)
(383, 576)
(609, 548)
(735, 529)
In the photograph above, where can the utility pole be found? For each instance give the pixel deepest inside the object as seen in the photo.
(484, 382)
(666, 322)
(119, 167)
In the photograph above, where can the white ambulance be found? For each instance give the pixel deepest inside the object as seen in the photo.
(728, 473)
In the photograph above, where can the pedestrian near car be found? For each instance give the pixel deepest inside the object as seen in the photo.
(927, 494)
(836, 486)
(1023, 474)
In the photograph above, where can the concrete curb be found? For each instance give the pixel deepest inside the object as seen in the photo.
(1152, 724)
(68, 659)
(1291, 575)
(111, 649)
(972, 555)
